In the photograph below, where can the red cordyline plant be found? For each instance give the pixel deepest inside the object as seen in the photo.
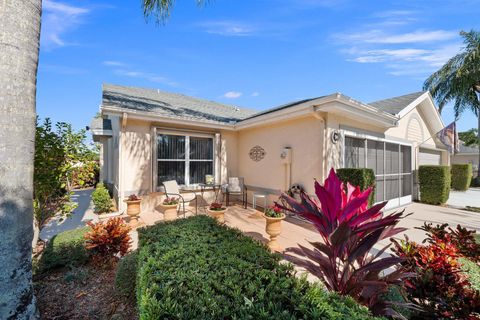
(343, 261)
(439, 288)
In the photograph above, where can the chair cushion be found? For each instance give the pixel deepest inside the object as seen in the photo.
(235, 184)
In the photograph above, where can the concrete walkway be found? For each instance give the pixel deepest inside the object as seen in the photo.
(77, 219)
(461, 199)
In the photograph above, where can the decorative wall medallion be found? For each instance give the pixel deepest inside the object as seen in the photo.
(335, 136)
(257, 153)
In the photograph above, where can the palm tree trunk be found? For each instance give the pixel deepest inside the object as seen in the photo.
(19, 45)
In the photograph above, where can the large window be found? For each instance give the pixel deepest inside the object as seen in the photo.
(184, 158)
(391, 163)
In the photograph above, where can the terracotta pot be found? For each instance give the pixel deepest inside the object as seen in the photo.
(169, 211)
(133, 211)
(219, 215)
(273, 227)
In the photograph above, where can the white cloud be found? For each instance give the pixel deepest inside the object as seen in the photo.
(58, 19)
(227, 28)
(392, 39)
(112, 63)
(381, 37)
(152, 77)
(255, 94)
(232, 94)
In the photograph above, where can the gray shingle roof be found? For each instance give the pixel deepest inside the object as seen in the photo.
(172, 105)
(283, 106)
(465, 149)
(396, 104)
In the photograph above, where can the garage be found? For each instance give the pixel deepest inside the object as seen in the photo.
(429, 157)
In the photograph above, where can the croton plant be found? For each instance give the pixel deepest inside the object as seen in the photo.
(345, 261)
(274, 212)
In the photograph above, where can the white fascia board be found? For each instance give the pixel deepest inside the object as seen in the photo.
(435, 115)
(148, 116)
(340, 102)
(412, 105)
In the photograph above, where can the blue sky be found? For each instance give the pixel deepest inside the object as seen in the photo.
(255, 54)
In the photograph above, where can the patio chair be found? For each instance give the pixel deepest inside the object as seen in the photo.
(172, 190)
(235, 187)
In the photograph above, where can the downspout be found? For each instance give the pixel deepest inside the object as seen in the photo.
(323, 119)
(121, 170)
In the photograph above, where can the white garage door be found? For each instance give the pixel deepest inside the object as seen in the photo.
(427, 156)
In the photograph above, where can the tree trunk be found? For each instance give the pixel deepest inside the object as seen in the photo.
(478, 136)
(19, 45)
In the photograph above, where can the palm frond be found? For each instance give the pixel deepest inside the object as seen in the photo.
(161, 9)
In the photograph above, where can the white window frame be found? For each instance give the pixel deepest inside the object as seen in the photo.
(187, 134)
(400, 200)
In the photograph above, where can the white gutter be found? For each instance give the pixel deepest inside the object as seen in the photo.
(341, 103)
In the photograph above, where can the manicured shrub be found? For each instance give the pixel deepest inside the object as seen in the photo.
(434, 184)
(195, 268)
(461, 176)
(361, 177)
(65, 249)
(438, 287)
(349, 230)
(125, 277)
(106, 240)
(101, 199)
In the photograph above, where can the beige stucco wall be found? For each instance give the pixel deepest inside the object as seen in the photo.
(304, 136)
(412, 127)
(463, 158)
(135, 146)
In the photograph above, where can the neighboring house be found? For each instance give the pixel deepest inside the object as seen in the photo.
(466, 154)
(149, 136)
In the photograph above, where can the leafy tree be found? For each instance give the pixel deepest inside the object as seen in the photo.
(469, 137)
(62, 161)
(458, 81)
(161, 9)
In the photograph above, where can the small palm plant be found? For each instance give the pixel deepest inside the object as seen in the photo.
(345, 261)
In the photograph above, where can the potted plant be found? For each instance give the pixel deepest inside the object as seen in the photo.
(273, 217)
(217, 211)
(169, 208)
(133, 208)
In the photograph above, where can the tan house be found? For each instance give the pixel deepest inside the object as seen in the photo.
(149, 136)
(466, 154)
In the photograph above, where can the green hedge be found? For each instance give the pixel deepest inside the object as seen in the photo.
(196, 269)
(434, 183)
(125, 277)
(461, 176)
(66, 249)
(361, 177)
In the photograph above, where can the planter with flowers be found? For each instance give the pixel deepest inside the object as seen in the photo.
(273, 217)
(169, 208)
(217, 211)
(133, 209)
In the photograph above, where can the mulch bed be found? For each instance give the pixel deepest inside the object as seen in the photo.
(81, 293)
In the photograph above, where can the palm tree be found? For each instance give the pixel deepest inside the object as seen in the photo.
(458, 81)
(160, 9)
(19, 44)
(19, 47)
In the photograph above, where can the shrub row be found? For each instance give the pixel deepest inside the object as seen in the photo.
(461, 176)
(434, 183)
(361, 177)
(196, 269)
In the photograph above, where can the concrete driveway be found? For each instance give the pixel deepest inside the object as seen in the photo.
(461, 199)
(438, 215)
